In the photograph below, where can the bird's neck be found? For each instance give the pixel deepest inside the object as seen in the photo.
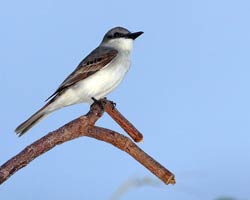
(121, 44)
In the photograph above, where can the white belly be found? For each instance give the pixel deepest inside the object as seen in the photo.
(103, 82)
(97, 85)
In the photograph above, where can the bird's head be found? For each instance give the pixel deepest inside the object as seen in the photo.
(120, 38)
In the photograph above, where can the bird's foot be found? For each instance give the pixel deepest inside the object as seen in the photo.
(104, 100)
(100, 102)
(113, 104)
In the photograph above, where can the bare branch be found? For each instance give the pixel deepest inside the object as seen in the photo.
(84, 126)
(122, 121)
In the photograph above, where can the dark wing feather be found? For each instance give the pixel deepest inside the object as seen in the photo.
(95, 61)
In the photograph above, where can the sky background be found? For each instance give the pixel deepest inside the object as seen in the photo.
(187, 91)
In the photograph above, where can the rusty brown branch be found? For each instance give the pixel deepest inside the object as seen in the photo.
(84, 126)
(122, 121)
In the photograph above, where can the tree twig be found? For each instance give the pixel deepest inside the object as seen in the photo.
(122, 121)
(84, 126)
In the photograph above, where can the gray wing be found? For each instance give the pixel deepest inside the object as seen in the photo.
(94, 62)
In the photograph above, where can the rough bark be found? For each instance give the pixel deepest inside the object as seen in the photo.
(85, 126)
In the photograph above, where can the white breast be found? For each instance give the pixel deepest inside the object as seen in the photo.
(106, 80)
(97, 85)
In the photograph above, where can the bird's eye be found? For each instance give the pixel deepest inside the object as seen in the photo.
(116, 35)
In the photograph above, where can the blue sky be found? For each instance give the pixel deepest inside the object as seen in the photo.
(187, 92)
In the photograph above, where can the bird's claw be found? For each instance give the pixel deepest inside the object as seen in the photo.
(113, 104)
(102, 102)
(99, 102)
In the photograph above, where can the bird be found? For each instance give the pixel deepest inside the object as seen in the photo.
(94, 78)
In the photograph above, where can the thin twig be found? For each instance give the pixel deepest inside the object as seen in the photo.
(122, 121)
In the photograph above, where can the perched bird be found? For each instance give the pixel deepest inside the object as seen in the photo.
(95, 77)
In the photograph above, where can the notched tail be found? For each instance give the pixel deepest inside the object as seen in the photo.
(29, 123)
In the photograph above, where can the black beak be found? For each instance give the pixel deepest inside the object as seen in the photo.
(134, 35)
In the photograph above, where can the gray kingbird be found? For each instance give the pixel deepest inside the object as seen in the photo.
(95, 77)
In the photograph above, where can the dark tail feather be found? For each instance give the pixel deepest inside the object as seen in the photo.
(29, 123)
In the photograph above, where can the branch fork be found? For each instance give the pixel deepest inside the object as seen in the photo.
(85, 126)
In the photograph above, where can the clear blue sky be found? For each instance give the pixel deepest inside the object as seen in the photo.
(187, 92)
